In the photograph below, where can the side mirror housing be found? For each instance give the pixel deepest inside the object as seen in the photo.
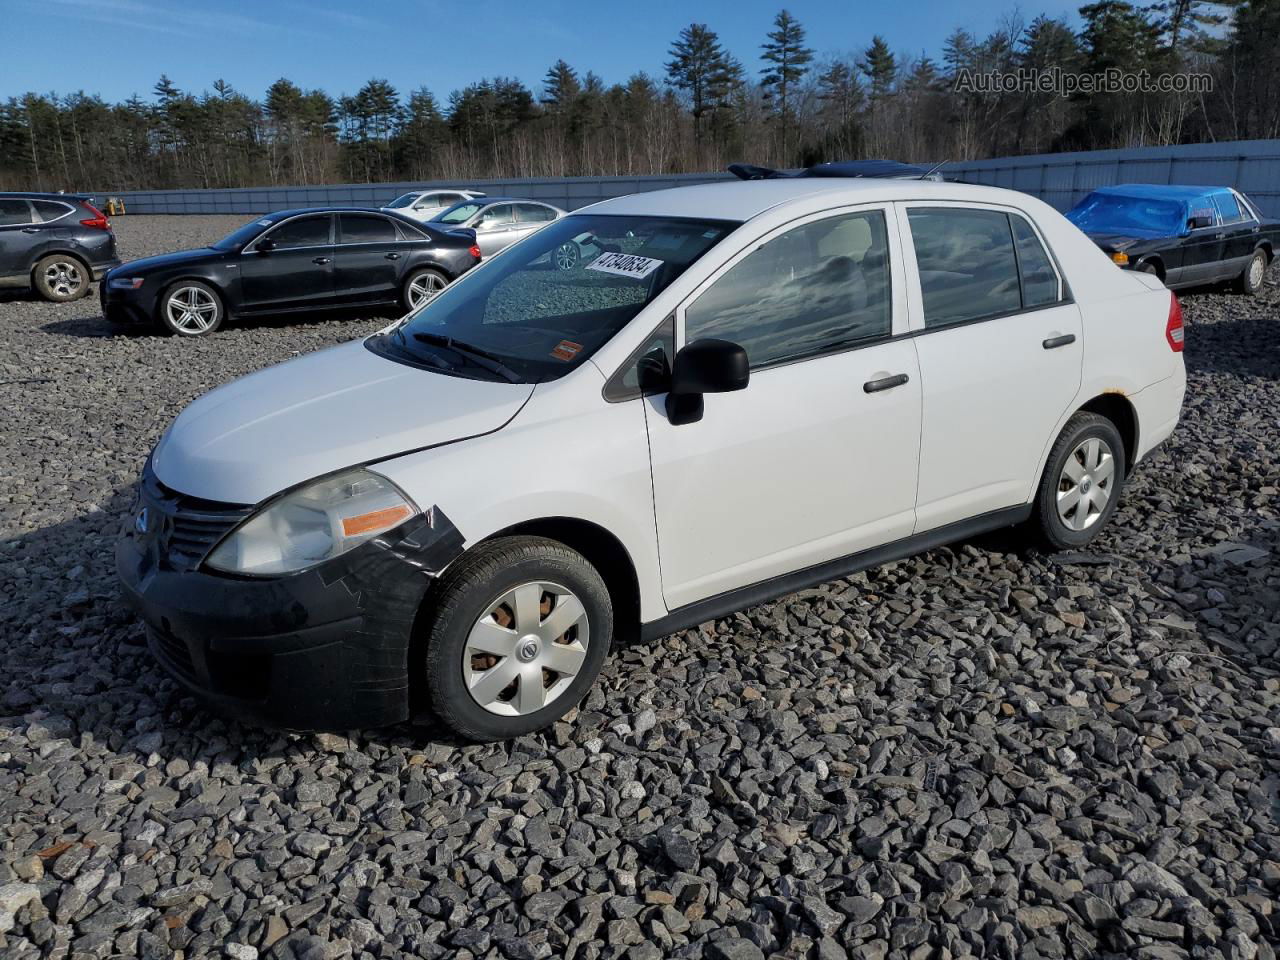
(704, 366)
(265, 246)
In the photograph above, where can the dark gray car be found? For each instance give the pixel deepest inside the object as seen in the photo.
(55, 243)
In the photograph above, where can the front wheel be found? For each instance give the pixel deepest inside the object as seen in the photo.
(521, 628)
(566, 256)
(190, 309)
(1081, 483)
(1250, 280)
(421, 286)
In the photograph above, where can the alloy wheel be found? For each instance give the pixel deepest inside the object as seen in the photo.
(423, 288)
(1086, 484)
(191, 310)
(567, 256)
(526, 649)
(64, 278)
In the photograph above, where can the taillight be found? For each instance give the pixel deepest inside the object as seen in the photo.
(1173, 331)
(98, 221)
(475, 251)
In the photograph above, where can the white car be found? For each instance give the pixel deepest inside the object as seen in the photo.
(425, 204)
(741, 389)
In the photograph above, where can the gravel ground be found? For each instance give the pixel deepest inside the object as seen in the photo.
(982, 751)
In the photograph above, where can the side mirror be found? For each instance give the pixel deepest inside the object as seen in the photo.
(704, 366)
(265, 246)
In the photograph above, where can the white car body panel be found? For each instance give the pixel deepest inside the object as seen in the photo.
(428, 205)
(801, 467)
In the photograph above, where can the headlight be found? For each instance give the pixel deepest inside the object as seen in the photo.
(320, 521)
(125, 283)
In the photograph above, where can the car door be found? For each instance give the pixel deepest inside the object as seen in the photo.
(495, 228)
(1202, 247)
(531, 217)
(1240, 233)
(368, 257)
(17, 236)
(1000, 349)
(296, 271)
(816, 459)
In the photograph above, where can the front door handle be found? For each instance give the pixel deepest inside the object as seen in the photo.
(30, 229)
(885, 383)
(322, 260)
(1054, 342)
(1218, 236)
(393, 256)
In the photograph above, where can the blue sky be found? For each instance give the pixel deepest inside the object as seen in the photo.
(119, 47)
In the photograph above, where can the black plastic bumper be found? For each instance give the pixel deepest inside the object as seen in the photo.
(325, 649)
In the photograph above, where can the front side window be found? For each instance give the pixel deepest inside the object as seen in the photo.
(362, 229)
(1039, 280)
(14, 211)
(302, 232)
(1228, 208)
(503, 215)
(524, 318)
(819, 287)
(968, 269)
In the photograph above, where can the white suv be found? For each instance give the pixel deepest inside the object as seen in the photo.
(741, 389)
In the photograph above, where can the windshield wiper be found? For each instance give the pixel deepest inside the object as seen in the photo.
(477, 355)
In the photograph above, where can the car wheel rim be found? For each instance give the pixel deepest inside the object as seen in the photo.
(191, 310)
(526, 649)
(566, 256)
(63, 278)
(423, 288)
(1086, 484)
(1255, 272)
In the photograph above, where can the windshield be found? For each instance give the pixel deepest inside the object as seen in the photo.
(238, 238)
(548, 302)
(404, 201)
(1102, 213)
(458, 213)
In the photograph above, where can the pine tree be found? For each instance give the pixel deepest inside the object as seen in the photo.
(787, 60)
(879, 66)
(699, 66)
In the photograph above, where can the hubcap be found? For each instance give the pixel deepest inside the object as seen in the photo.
(526, 649)
(63, 278)
(191, 310)
(1085, 485)
(423, 288)
(1256, 269)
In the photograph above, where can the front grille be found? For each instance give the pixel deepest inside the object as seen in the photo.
(190, 526)
(175, 652)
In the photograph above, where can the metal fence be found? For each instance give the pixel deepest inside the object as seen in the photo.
(1061, 179)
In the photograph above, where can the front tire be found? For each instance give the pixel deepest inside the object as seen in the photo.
(566, 256)
(1250, 280)
(422, 286)
(1082, 481)
(60, 278)
(520, 630)
(190, 308)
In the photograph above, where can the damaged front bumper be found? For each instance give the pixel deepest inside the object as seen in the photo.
(324, 649)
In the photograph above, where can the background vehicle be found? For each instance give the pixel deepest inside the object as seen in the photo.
(425, 204)
(290, 261)
(1184, 235)
(497, 222)
(750, 388)
(55, 243)
(844, 169)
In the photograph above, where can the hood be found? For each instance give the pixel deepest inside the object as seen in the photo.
(169, 259)
(335, 408)
(1124, 241)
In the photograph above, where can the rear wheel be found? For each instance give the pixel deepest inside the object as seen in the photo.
(567, 255)
(190, 309)
(421, 286)
(1250, 280)
(1081, 483)
(520, 629)
(60, 278)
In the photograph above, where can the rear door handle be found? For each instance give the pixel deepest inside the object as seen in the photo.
(30, 229)
(1055, 342)
(885, 383)
(321, 260)
(393, 256)
(1218, 236)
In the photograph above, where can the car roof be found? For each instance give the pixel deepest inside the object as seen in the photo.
(1160, 191)
(741, 200)
(28, 195)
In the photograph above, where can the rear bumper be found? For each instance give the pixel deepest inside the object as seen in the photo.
(100, 269)
(1158, 408)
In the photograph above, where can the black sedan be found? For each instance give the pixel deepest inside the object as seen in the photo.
(287, 262)
(1187, 236)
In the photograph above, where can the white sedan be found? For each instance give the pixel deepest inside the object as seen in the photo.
(425, 204)
(736, 391)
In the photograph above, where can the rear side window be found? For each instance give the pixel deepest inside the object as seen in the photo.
(1039, 280)
(303, 232)
(361, 229)
(1228, 208)
(48, 210)
(14, 211)
(823, 286)
(535, 213)
(968, 268)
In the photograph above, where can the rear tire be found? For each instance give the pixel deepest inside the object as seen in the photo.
(1081, 484)
(1254, 274)
(61, 278)
(493, 669)
(420, 287)
(190, 308)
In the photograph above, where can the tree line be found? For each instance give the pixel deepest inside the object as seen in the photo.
(788, 106)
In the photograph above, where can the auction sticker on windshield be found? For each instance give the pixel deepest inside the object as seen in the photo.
(625, 265)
